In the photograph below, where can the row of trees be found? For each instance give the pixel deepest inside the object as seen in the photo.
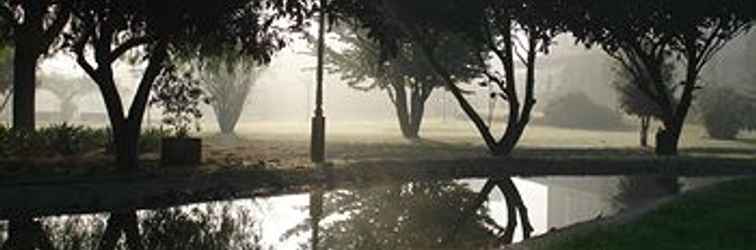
(152, 33)
(411, 44)
(643, 37)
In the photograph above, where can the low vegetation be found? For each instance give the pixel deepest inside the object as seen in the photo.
(723, 112)
(67, 140)
(702, 220)
(575, 110)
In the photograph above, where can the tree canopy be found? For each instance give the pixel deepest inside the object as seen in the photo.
(644, 35)
(155, 32)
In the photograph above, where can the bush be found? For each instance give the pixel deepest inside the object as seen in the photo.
(575, 110)
(59, 139)
(724, 112)
(65, 139)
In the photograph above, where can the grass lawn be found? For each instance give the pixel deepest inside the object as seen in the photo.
(282, 145)
(720, 217)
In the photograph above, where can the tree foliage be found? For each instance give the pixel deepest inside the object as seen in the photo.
(153, 32)
(501, 34)
(643, 35)
(724, 112)
(228, 79)
(363, 67)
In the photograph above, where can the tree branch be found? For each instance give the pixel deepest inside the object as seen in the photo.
(154, 67)
(62, 16)
(78, 49)
(126, 46)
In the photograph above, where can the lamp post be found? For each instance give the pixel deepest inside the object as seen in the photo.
(317, 140)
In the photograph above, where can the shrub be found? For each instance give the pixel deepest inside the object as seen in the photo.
(57, 139)
(575, 110)
(724, 112)
(65, 139)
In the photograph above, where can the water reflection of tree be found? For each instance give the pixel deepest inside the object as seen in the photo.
(418, 215)
(636, 191)
(212, 226)
(515, 206)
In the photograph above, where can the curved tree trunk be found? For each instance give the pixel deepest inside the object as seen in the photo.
(515, 206)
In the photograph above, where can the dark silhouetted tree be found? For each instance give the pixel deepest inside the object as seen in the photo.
(645, 34)
(152, 31)
(502, 34)
(32, 27)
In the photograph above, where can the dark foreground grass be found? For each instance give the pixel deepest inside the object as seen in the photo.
(721, 217)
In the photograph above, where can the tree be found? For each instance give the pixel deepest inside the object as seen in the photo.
(643, 35)
(510, 32)
(156, 31)
(67, 90)
(723, 110)
(33, 27)
(633, 102)
(228, 78)
(362, 66)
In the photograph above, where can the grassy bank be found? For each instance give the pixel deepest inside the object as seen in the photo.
(721, 217)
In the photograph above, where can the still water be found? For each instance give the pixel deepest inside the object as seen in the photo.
(448, 214)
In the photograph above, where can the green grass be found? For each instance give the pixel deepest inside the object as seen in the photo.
(721, 217)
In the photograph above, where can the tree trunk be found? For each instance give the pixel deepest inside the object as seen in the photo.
(227, 113)
(24, 81)
(19, 237)
(402, 111)
(666, 142)
(126, 140)
(25, 233)
(409, 110)
(417, 110)
(645, 122)
(118, 224)
(68, 109)
(514, 200)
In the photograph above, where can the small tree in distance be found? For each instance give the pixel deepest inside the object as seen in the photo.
(67, 90)
(631, 99)
(228, 79)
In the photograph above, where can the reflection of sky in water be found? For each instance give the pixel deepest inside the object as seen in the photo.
(283, 213)
(552, 202)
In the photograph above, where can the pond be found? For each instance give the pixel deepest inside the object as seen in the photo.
(449, 214)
